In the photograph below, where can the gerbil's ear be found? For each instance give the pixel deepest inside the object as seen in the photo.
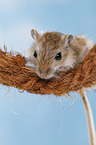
(68, 40)
(34, 34)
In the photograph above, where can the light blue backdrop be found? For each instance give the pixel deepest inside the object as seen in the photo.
(28, 119)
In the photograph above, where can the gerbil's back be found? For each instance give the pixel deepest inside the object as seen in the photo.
(83, 45)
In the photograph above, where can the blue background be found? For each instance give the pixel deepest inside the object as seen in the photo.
(29, 119)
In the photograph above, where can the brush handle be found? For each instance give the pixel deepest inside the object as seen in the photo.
(89, 116)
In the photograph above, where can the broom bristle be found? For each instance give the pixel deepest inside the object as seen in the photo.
(14, 73)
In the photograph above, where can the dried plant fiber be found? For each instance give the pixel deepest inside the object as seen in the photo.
(14, 73)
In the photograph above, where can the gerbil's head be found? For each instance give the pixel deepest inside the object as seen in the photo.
(51, 53)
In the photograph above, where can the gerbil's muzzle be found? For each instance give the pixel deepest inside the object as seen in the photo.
(43, 73)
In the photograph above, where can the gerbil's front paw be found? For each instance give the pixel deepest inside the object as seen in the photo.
(29, 63)
(62, 69)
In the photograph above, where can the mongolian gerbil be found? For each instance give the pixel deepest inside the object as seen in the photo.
(53, 52)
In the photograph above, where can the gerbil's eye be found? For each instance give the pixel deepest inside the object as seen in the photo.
(58, 56)
(35, 54)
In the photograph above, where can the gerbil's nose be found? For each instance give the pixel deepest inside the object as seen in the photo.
(43, 73)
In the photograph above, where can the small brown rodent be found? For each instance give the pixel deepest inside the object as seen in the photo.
(53, 52)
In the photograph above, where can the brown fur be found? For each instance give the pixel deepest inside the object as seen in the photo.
(48, 45)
